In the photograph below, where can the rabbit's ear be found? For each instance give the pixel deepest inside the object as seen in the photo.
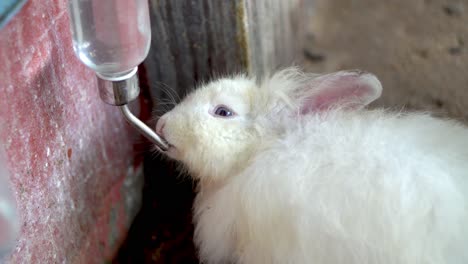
(343, 89)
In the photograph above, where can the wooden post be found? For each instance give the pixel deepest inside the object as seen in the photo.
(196, 40)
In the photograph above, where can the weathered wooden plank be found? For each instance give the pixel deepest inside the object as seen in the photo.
(195, 40)
(275, 31)
(192, 41)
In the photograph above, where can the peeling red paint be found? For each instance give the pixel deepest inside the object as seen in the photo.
(74, 186)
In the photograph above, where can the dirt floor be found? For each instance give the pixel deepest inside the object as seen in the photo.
(418, 49)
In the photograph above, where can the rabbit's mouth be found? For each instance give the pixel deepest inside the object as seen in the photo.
(171, 151)
(170, 147)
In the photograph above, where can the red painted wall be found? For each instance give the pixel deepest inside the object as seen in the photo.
(71, 157)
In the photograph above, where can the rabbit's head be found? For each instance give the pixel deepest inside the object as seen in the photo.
(217, 129)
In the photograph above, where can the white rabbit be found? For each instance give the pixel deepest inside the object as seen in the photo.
(293, 169)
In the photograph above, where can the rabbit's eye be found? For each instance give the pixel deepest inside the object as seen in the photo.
(223, 111)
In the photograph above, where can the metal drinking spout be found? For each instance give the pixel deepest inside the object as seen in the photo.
(112, 38)
(143, 128)
(121, 90)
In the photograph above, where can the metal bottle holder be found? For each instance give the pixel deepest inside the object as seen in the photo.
(112, 37)
(122, 91)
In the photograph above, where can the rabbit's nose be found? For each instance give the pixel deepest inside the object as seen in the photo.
(160, 127)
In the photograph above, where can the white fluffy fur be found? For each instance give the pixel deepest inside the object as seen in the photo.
(337, 186)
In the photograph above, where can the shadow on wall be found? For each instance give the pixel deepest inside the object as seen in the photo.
(162, 231)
